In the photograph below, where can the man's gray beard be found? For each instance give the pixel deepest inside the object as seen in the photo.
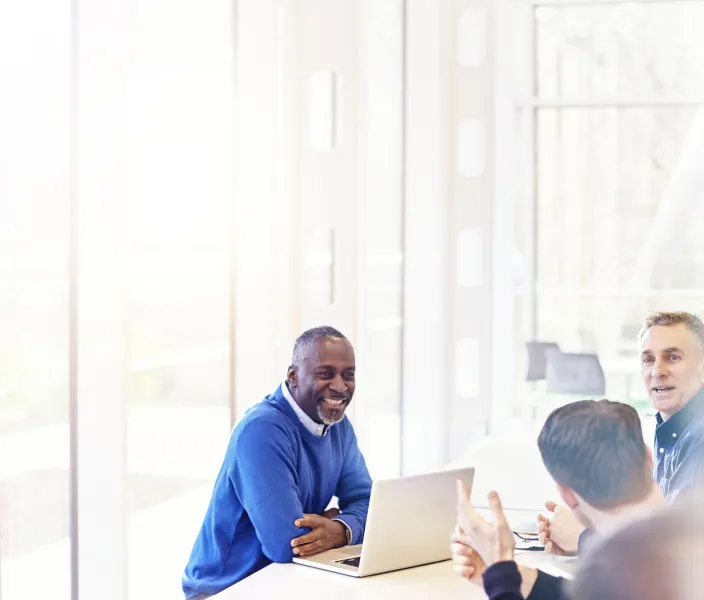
(326, 421)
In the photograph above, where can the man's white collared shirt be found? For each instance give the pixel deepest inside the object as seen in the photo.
(317, 429)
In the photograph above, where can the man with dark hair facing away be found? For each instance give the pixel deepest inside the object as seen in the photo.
(595, 452)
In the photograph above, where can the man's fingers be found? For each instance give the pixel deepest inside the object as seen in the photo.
(311, 521)
(466, 572)
(497, 508)
(465, 503)
(462, 491)
(306, 538)
(543, 538)
(542, 519)
(551, 506)
(460, 538)
(461, 549)
(462, 560)
(308, 549)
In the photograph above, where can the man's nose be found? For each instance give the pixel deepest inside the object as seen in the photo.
(659, 369)
(338, 385)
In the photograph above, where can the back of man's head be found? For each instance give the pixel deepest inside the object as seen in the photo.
(596, 449)
(658, 558)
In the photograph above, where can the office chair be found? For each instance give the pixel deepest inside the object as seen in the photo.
(537, 359)
(574, 373)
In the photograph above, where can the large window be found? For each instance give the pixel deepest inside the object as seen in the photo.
(178, 320)
(35, 557)
(617, 143)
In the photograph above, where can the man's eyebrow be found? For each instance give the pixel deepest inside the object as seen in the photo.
(664, 351)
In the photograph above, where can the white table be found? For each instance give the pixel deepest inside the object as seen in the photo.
(437, 582)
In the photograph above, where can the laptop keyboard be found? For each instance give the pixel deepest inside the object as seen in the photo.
(351, 562)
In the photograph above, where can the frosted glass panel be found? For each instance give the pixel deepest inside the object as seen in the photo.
(466, 368)
(469, 258)
(324, 110)
(471, 148)
(471, 38)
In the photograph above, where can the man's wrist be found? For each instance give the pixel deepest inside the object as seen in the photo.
(346, 532)
(506, 555)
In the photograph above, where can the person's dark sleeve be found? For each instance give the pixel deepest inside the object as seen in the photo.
(502, 581)
(548, 587)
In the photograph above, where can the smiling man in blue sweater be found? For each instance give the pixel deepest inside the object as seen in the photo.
(286, 459)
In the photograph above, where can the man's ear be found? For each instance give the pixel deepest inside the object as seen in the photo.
(568, 496)
(292, 377)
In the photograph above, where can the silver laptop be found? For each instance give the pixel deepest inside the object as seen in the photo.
(408, 524)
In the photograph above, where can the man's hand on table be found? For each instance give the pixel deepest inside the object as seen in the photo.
(324, 535)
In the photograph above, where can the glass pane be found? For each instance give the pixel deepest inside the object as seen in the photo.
(35, 558)
(633, 49)
(377, 406)
(179, 293)
(619, 192)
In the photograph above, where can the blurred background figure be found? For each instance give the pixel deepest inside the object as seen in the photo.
(658, 558)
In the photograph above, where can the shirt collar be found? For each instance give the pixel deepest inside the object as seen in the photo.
(693, 410)
(317, 429)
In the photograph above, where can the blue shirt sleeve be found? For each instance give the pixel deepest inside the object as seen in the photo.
(264, 475)
(353, 490)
